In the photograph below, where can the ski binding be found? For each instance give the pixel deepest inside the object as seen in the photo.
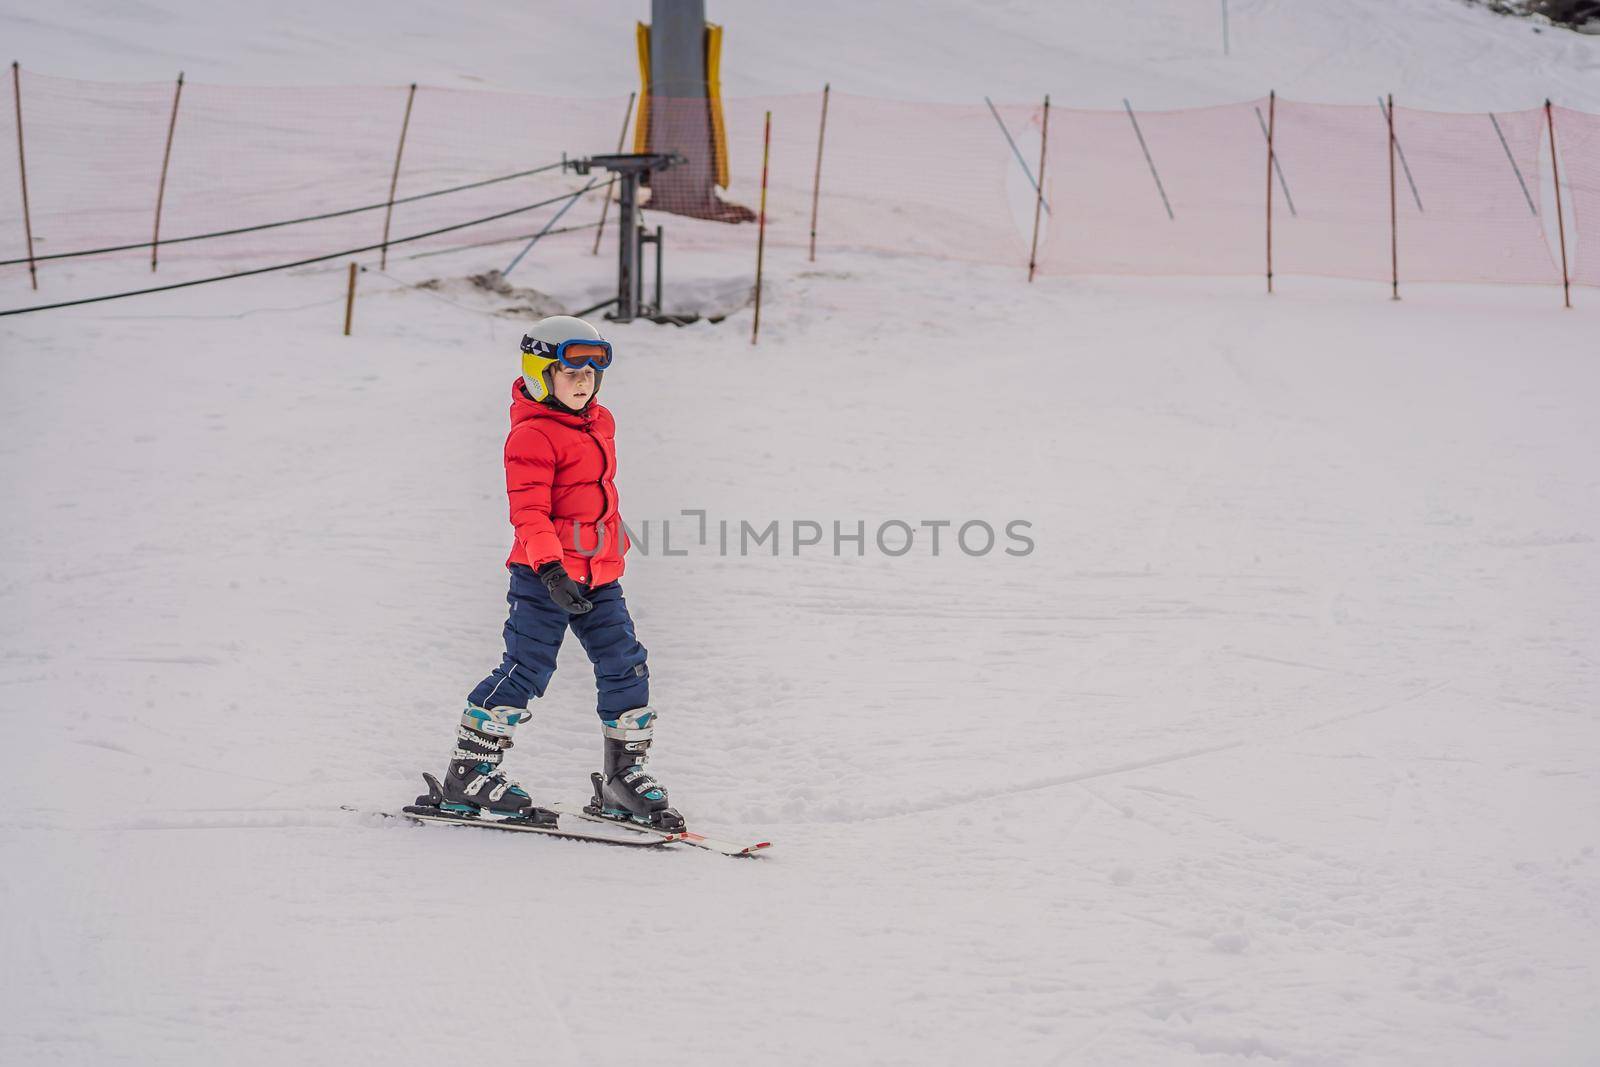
(431, 807)
(595, 811)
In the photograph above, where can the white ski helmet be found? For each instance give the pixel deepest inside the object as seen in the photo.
(550, 340)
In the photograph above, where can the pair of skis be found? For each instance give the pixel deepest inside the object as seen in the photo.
(618, 831)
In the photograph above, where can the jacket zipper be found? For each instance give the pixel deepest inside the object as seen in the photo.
(605, 469)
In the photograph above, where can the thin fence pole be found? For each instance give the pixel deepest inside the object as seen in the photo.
(22, 162)
(605, 207)
(166, 158)
(1277, 165)
(1400, 150)
(816, 181)
(394, 180)
(1272, 126)
(1561, 222)
(1038, 203)
(761, 226)
(1152, 163)
(350, 299)
(1225, 48)
(1514, 168)
(1023, 163)
(1394, 215)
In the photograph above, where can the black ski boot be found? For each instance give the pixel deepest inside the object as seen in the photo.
(625, 790)
(473, 784)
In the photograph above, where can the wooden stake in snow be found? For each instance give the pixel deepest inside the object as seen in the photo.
(394, 181)
(166, 157)
(1272, 127)
(816, 181)
(22, 162)
(1561, 222)
(1023, 163)
(761, 225)
(1400, 152)
(1038, 202)
(1277, 165)
(1394, 230)
(350, 299)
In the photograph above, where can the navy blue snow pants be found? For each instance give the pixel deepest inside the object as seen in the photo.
(534, 630)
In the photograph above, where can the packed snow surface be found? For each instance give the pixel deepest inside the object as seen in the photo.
(1277, 740)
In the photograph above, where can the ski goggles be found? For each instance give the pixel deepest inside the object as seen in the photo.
(574, 354)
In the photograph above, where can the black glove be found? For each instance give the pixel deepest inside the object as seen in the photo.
(563, 590)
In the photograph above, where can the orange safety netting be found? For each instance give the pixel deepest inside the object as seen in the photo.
(1126, 191)
(1578, 156)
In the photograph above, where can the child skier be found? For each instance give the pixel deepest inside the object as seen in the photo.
(560, 459)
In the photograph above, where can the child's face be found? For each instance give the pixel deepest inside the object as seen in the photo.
(572, 387)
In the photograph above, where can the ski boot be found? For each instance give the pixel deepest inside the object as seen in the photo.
(625, 791)
(473, 784)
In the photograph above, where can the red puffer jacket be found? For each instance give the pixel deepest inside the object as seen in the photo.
(559, 468)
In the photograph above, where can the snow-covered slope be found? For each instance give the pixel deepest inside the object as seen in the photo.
(1088, 53)
(1280, 743)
